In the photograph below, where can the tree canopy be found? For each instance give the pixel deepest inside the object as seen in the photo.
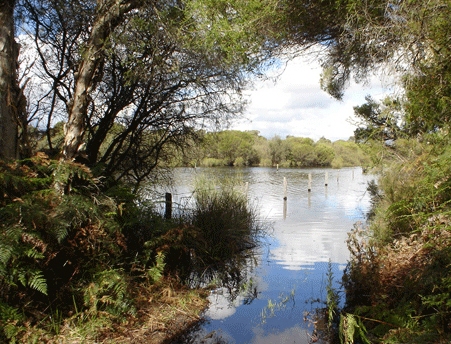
(129, 77)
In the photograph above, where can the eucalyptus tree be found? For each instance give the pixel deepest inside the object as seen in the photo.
(10, 93)
(380, 121)
(132, 77)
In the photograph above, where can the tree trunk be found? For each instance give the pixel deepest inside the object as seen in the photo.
(9, 89)
(109, 15)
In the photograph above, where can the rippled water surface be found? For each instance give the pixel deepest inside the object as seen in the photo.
(289, 277)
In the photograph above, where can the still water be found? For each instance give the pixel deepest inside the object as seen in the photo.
(287, 280)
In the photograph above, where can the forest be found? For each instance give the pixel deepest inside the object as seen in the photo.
(237, 148)
(99, 97)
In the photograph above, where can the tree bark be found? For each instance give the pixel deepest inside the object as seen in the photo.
(10, 93)
(110, 14)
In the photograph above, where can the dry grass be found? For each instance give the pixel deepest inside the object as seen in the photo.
(163, 313)
(160, 319)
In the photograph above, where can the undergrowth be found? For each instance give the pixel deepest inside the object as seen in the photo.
(397, 281)
(77, 254)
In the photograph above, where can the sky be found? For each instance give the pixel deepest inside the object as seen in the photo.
(295, 105)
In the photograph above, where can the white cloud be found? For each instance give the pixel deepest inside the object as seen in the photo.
(296, 105)
(290, 335)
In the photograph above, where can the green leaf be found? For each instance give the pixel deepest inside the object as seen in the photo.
(38, 282)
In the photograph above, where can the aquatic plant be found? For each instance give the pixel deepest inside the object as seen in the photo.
(214, 235)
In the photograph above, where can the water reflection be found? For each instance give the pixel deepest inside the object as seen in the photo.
(309, 230)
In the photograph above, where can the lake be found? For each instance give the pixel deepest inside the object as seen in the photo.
(287, 279)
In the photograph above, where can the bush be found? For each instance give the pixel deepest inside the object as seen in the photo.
(398, 278)
(61, 242)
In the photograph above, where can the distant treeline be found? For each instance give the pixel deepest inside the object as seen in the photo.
(248, 148)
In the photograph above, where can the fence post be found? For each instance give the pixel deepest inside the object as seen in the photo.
(168, 209)
(285, 188)
(284, 209)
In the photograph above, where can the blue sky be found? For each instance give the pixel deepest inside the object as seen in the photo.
(295, 105)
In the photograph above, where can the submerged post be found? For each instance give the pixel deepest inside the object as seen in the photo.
(284, 209)
(285, 188)
(168, 203)
(309, 182)
(326, 178)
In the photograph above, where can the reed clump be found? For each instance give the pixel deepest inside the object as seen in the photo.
(219, 229)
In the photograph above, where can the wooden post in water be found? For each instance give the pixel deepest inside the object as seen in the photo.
(277, 167)
(284, 208)
(309, 182)
(326, 178)
(246, 189)
(168, 209)
(285, 188)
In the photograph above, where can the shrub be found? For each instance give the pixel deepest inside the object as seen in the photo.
(398, 278)
(60, 238)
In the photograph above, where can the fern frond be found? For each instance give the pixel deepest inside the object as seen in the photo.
(64, 171)
(11, 330)
(61, 233)
(107, 300)
(33, 279)
(109, 292)
(38, 282)
(5, 253)
(155, 273)
(9, 313)
(22, 277)
(32, 253)
(13, 233)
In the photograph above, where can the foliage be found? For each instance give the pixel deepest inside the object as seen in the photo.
(61, 252)
(231, 148)
(397, 279)
(134, 82)
(86, 255)
(236, 148)
(220, 228)
(108, 292)
(351, 328)
(379, 122)
(332, 298)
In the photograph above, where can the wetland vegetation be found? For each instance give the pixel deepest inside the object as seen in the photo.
(97, 96)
